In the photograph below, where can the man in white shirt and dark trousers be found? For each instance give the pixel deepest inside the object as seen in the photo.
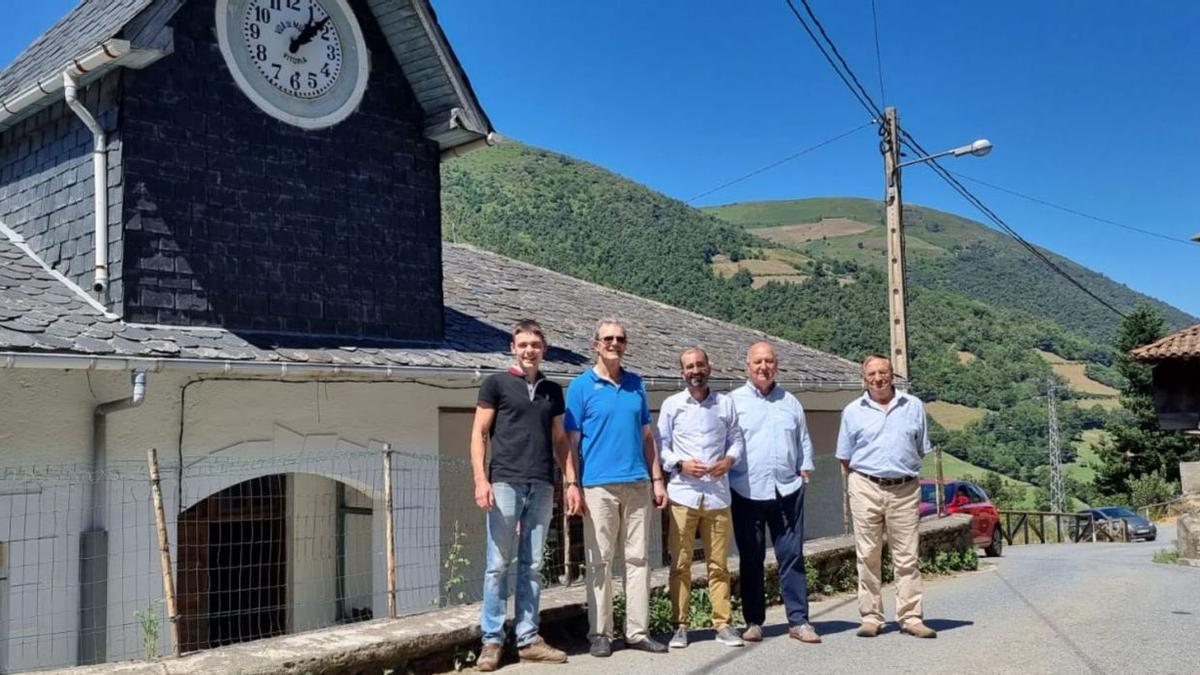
(768, 492)
(700, 442)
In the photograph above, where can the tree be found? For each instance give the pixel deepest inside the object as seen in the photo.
(1149, 489)
(1137, 446)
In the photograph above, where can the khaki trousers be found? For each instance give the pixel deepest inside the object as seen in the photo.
(617, 513)
(895, 511)
(715, 525)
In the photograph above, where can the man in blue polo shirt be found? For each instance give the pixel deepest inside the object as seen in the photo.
(519, 418)
(609, 426)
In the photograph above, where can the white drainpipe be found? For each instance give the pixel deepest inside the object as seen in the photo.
(99, 180)
(99, 440)
(93, 541)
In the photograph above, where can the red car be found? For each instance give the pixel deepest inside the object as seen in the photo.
(964, 497)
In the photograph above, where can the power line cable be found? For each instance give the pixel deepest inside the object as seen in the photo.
(864, 99)
(1072, 211)
(833, 47)
(878, 54)
(907, 139)
(785, 160)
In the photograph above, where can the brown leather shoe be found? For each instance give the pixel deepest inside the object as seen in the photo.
(489, 658)
(868, 629)
(753, 633)
(540, 652)
(804, 633)
(917, 628)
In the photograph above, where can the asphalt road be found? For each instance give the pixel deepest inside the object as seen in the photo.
(1063, 608)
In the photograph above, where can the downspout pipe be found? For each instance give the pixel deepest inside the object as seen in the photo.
(99, 180)
(93, 541)
(100, 416)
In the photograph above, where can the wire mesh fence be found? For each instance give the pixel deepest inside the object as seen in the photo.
(259, 547)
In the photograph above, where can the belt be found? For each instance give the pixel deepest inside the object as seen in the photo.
(886, 482)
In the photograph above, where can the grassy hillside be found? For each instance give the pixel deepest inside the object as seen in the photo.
(948, 252)
(968, 349)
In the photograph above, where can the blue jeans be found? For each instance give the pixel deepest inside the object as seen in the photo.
(529, 504)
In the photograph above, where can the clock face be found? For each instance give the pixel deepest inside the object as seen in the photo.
(294, 44)
(301, 61)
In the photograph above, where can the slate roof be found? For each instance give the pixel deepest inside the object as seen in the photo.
(453, 113)
(1184, 344)
(484, 295)
(89, 24)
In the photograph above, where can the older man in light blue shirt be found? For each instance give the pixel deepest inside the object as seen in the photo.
(768, 492)
(700, 440)
(881, 442)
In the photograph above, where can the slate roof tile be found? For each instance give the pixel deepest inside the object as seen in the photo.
(485, 294)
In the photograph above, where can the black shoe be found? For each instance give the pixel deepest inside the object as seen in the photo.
(647, 645)
(601, 646)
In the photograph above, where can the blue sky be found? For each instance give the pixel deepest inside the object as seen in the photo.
(1089, 105)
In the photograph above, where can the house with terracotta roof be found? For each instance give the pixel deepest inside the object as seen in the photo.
(1175, 363)
(220, 239)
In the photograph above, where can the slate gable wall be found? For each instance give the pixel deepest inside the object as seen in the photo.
(46, 184)
(236, 219)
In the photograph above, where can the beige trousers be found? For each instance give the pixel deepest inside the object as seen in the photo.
(617, 513)
(894, 511)
(716, 528)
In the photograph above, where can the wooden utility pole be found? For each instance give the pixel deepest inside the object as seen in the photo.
(893, 210)
(897, 298)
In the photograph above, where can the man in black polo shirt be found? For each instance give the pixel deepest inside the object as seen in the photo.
(520, 415)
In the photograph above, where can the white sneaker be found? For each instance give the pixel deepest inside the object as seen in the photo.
(729, 637)
(679, 640)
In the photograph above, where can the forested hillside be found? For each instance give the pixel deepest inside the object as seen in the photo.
(970, 345)
(952, 253)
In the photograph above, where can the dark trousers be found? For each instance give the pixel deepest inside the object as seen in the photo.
(785, 517)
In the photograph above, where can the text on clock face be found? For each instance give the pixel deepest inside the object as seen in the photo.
(294, 45)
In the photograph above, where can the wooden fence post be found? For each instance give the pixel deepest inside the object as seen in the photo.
(164, 549)
(391, 530)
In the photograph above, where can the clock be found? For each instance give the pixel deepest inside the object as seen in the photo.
(300, 61)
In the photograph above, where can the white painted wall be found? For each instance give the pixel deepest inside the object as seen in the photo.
(312, 551)
(3, 607)
(231, 431)
(360, 584)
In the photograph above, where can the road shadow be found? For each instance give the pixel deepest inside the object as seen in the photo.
(942, 625)
(834, 627)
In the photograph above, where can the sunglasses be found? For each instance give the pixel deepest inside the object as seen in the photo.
(609, 339)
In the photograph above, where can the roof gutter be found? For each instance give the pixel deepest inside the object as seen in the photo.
(492, 138)
(265, 369)
(292, 369)
(102, 54)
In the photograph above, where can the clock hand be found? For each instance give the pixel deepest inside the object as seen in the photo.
(306, 35)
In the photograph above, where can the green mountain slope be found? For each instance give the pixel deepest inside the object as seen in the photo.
(948, 252)
(585, 221)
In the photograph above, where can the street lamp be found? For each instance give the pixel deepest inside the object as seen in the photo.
(894, 210)
(978, 148)
(897, 309)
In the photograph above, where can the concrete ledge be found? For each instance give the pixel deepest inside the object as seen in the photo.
(372, 646)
